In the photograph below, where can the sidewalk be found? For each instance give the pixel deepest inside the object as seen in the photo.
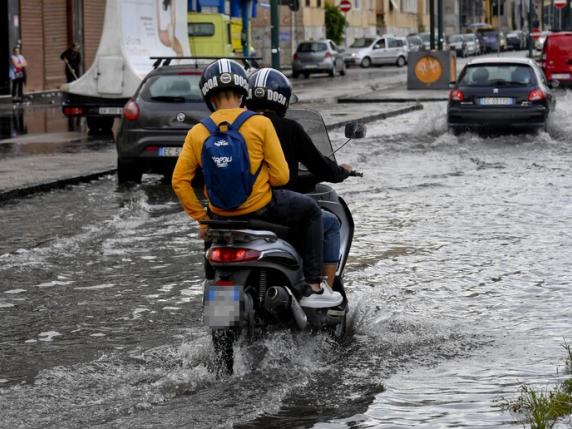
(24, 175)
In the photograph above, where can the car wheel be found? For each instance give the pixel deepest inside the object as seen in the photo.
(401, 61)
(128, 172)
(366, 62)
(332, 72)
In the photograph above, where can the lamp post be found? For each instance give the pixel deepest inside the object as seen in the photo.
(275, 33)
(530, 29)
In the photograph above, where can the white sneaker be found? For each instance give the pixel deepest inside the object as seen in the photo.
(323, 299)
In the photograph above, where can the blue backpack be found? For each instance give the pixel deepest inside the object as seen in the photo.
(226, 163)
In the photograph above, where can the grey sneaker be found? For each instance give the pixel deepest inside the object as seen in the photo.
(323, 299)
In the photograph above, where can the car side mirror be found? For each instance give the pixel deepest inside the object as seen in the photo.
(294, 99)
(355, 130)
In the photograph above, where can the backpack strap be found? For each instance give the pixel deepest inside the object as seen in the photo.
(240, 119)
(209, 125)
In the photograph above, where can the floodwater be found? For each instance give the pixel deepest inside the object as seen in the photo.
(458, 281)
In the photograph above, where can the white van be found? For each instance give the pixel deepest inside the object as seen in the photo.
(367, 51)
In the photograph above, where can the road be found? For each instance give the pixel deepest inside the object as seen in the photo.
(458, 282)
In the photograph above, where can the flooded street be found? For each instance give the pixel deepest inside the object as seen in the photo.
(458, 282)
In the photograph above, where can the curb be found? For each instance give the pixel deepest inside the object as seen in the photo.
(391, 100)
(376, 116)
(49, 186)
(62, 183)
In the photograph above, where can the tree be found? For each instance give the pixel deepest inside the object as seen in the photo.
(335, 23)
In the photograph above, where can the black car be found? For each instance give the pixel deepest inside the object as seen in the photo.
(500, 93)
(156, 120)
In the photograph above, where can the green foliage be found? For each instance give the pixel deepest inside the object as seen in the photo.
(335, 23)
(542, 409)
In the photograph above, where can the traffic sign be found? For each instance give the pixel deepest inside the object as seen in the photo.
(345, 5)
(560, 4)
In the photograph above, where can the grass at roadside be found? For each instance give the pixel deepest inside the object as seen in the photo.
(543, 408)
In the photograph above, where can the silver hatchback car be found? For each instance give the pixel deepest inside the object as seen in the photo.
(320, 56)
(378, 50)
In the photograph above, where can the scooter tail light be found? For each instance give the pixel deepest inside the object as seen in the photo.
(536, 95)
(131, 111)
(456, 95)
(232, 254)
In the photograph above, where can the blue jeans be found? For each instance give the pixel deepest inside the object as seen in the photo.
(302, 213)
(331, 225)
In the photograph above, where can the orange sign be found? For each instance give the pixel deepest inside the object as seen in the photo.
(428, 69)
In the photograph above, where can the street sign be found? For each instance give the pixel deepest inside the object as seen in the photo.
(560, 4)
(345, 5)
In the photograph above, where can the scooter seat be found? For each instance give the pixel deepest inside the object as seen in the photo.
(281, 231)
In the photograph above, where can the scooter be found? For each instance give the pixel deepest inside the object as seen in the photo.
(257, 278)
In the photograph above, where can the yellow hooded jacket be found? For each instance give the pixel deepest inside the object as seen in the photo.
(263, 146)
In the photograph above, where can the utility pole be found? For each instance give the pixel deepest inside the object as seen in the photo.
(530, 29)
(275, 33)
(432, 24)
(440, 23)
(499, 21)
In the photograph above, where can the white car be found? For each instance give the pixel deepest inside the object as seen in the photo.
(368, 51)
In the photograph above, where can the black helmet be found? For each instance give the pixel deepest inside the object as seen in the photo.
(269, 90)
(222, 75)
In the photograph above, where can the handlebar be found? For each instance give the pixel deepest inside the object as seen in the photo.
(356, 173)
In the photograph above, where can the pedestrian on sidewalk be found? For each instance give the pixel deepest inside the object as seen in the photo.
(17, 74)
(72, 58)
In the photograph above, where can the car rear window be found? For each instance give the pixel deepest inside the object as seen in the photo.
(361, 42)
(175, 88)
(456, 39)
(498, 75)
(312, 47)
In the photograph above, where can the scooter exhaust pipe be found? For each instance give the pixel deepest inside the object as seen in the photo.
(279, 298)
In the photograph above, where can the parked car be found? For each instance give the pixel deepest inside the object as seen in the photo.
(426, 37)
(503, 42)
(155, 121)
(490, 39)
(556, 59)
(415, 43)
(322, 56)
(516, 40)
(458, 44)
(472, 44)
(539, 43)
(500, 93)
(380, 50)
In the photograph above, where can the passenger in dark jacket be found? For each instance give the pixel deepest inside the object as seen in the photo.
(270, 93)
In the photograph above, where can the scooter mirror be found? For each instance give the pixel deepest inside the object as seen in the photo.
(293, 99)
(355, 130)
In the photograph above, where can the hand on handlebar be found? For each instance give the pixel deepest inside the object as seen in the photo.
(347, 167)
(356, 173)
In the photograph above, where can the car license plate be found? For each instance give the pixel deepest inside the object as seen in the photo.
(222, 306)
(496, 101)
(169, 151)
(110, 110)
(561, 76)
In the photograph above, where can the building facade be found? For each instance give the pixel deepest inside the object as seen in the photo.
(43, 29)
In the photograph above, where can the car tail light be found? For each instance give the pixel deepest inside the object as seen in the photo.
(295, 57)
(456, 95)
(232, 254)
(74, 111)
(131, 111)
(328, 55)
(151, 148)
(536, 95)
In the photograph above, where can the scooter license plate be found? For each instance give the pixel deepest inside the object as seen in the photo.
(222, 306)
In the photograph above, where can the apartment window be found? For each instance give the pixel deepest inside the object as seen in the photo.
(356, 4)
(319, 4)
(409, 6)
(308, 3)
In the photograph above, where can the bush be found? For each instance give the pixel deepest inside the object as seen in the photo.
(335, 24)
